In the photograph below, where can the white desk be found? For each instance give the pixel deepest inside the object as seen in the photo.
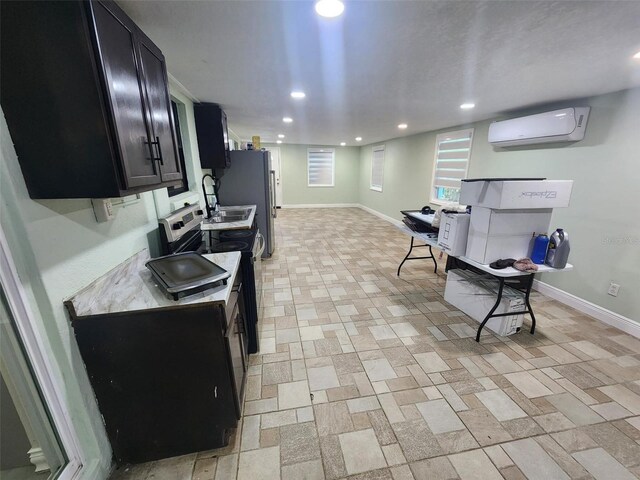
(525, 278)
(430, 240)
(523, 283)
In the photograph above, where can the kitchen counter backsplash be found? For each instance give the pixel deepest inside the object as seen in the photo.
(130, 286)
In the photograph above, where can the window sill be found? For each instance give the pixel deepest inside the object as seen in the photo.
(376, 189)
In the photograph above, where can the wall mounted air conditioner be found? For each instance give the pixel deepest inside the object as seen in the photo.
(565, 125)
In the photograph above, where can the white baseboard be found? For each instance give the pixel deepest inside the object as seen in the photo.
(599, 313)
(322, 205)
(381, 215)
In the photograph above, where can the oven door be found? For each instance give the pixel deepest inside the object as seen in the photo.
(258, 249)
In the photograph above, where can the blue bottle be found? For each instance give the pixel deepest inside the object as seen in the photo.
(540, 246)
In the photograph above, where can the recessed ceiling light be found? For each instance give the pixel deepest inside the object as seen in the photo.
(467, 106)
(402, 126)
(329, 8)
(342, 144)
(637, 56)
(298, 94)
(278, 141)
(281, 135)
(358, 139)
(287, 119)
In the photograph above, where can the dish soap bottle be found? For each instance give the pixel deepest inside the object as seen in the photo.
(558, 252)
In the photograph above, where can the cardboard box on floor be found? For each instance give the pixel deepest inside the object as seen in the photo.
(475, 296)
(506, 215)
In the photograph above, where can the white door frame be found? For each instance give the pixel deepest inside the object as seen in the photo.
(278, 175)
(45, 369)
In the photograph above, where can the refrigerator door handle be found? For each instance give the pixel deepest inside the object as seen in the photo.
(273, 194)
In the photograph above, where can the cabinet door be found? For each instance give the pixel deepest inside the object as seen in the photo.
(159, 105)
(116, 41)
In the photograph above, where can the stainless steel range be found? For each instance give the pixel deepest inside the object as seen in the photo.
(180, 231)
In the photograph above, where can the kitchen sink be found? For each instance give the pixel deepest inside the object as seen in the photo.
(225, 216)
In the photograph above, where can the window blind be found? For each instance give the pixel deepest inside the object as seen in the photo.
(377, 168)
(320, 167)
(452, 158)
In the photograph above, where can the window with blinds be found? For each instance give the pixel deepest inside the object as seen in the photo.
(453, 150)
(321, 167)
(377, 168)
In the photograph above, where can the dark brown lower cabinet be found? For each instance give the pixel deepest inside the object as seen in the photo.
(167, 381)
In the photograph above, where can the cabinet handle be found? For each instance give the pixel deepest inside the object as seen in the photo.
(160, 159)
(157, 144)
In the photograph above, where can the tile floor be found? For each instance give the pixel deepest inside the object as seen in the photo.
(364, 375)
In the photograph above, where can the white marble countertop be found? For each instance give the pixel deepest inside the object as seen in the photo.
(241, 225)
(130, 286)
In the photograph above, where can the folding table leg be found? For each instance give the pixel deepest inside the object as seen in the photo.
(405, 258)
(526, 301)
(493, 309)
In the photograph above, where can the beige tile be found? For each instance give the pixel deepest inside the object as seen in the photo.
(439, 416)
(500, 405)
(379, 369)
(311, 470)
(611, 411)
(263, 463)
(293, 395)
(321, 378)
(361, 451)
(623, 396)
(393, 454)
(404, 329)
(602, 465)
(474, 465)
(431, 362)
(311, 333)
(592, 350)
(528, 385)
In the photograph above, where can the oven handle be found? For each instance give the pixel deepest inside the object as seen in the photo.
(263, 245)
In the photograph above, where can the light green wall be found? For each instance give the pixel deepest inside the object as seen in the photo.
(293, 171)
(601, 221)
(59, 248)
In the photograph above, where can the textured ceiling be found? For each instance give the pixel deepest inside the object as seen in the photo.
(388, 62)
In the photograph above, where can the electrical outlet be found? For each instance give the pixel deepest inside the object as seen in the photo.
(103, 209)
(613, 289)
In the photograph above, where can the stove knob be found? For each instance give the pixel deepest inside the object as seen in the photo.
(199, 212)
(177, 225)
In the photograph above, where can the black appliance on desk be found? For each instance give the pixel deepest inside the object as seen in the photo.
(251, 244)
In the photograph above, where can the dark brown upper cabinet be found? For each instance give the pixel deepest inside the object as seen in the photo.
(85, 94)
(213, 138)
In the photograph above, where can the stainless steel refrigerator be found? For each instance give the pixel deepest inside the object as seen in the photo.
(249, 180)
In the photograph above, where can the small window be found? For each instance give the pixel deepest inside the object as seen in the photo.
(184, 187)
(377, 168)
(453, 150)
(321, 167)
